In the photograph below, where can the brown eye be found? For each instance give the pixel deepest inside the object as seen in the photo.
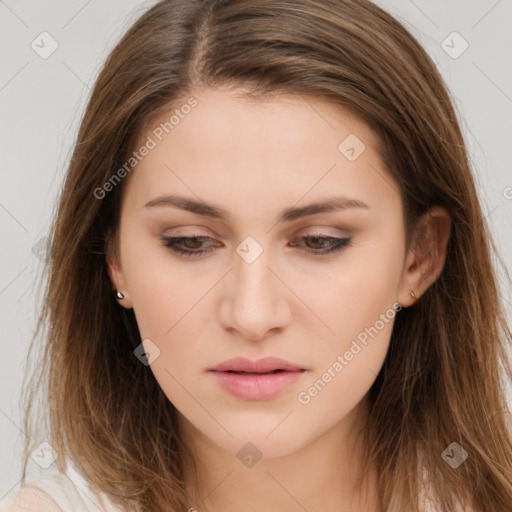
(186, 245)
(317, 242)
(193, 242)
(320, 244)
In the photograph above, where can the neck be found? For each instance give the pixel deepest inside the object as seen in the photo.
(322, 475)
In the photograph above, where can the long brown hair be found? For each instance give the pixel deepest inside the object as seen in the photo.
(443, 378)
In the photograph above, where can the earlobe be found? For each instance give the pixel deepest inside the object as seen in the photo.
(117, 280)
(427, 255)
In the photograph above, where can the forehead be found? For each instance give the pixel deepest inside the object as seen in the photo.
(282, 119)
(283, 147)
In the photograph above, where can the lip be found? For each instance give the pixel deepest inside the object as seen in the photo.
(252, 380)
(263, 365)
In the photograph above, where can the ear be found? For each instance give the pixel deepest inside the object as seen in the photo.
(116, 276)
(426, 256)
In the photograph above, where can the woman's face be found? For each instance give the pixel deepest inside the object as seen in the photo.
(266, 284)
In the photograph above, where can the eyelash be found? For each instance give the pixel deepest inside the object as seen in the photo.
(172, 244)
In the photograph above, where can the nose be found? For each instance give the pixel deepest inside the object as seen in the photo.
(256, 301)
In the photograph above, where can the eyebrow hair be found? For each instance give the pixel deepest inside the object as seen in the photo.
(330, 204)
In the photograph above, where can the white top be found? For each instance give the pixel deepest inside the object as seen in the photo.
(52, 491)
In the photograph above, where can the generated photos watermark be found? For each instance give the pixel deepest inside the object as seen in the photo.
(151, 142)
(305, 397)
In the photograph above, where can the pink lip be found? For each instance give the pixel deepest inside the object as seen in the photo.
(263, 365)
(252, 380)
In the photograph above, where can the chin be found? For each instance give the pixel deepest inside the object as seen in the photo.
(260, 438)
(258, 445)
(263, 434)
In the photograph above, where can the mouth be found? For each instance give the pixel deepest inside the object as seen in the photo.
(259, 373)
(256, 385)
(266, 365)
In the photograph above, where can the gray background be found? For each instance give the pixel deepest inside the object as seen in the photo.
(42, 101)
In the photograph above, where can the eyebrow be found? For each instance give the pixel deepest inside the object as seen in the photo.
(327, 205)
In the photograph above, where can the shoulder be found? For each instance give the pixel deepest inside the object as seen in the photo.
(29, 498)
(52, 491)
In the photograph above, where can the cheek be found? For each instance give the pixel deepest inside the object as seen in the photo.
(169, 307)
(350, 357)
(348, 362)
(170, 303)
(357, 303)
(161, 293)
(171, 317)
(353, 295)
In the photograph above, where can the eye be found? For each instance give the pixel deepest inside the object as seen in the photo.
(193, 245)
(325, 244)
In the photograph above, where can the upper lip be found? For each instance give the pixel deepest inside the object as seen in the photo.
(263, 365)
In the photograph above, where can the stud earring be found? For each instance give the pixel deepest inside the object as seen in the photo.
(412, 294)
(119, 295)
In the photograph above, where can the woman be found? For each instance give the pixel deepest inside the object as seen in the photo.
(270, 284)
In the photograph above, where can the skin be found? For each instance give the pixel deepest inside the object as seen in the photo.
(255, 159)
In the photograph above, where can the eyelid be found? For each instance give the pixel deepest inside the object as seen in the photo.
(340, 233)
(188, 232)
(310, 231)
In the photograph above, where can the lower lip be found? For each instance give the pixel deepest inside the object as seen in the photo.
(256, 387)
